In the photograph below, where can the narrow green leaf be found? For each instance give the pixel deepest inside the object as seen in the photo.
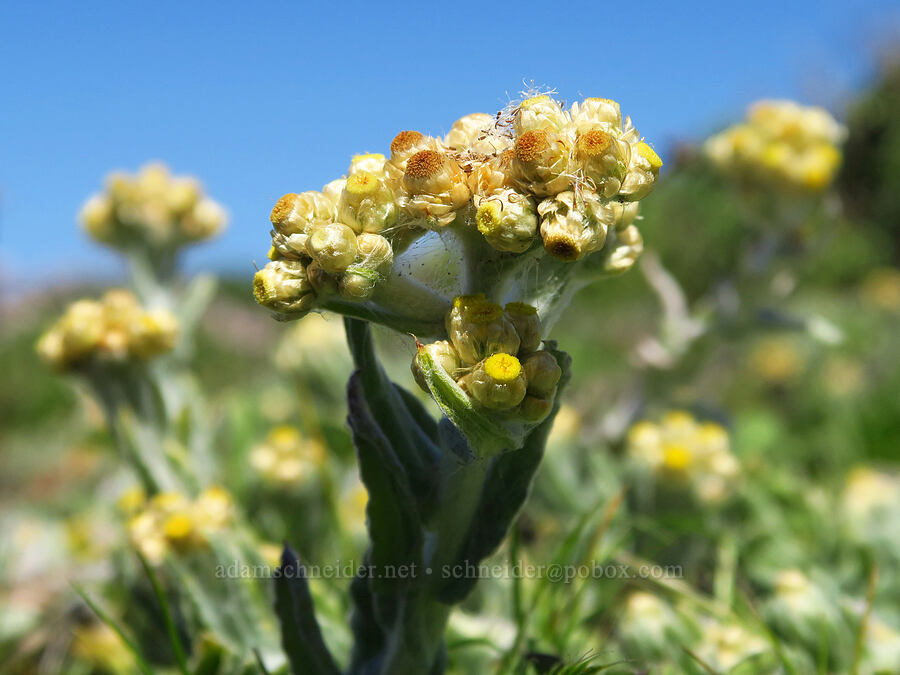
(109, 621)
(402, 420)
(172, 631)
(300, 634)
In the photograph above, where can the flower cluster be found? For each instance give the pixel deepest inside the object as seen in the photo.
(494, 356)
(681, 450)
(781, 144)
(286, 457)
(151, 208)
(171, 522)
(114, 328)
(535, 172)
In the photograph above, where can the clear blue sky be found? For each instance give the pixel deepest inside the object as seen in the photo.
(259, 99)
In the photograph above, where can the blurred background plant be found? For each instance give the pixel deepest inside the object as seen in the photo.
(753, 462)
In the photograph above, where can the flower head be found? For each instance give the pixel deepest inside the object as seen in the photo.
(680, 451)
(151, 208)
(782, 145)
(114, 328)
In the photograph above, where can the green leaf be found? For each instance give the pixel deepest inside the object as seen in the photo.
(402, 420)
(142, 664)
(393, 520)
(300, 635)
(171, 630)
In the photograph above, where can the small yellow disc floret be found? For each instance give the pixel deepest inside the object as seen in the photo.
(503, 367)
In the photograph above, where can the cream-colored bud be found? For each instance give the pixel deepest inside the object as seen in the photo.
(625, 213)
(322, 282)
(542, 374)
(283, 285)
(574, 224)
(333, 246)
(372, 163)
(366, 204)
(478, 328)
(643, 171)
(153, 180)
(473, 133)
(527, 323)
(497, 382)
(596, 112)
(182, 195)
(333, 190)
(507, 219)
(205, 219)
(435, 188)
(403, 147)
(444, 356)
(374, 251)
(493, 174)
(291, 245)
(603, 160)
(299, 213)
(540, 112)
(541, 162)
(97, 217)
(627, 248)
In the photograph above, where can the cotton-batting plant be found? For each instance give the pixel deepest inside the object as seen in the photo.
(131, 348)
(473, 244)
(781, 161)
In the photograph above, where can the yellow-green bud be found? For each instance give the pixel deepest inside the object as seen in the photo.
(444, 356)
(205, 219)
(366, 204)
(282, 285)
(497, 382)
(507, 219)
(97, 216)
(478, 328)
(542, 373)
(153, 333)
(333, 246)
(358, 282)
(574, 224)
(298, 213)
(182, 195)
(535, 408)
(527, 323)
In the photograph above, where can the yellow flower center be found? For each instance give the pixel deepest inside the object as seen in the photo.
(178, 527)
(502, 367)
(362, 184)
(676, 458)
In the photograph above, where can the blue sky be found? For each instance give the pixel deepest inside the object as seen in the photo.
(259, 99)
